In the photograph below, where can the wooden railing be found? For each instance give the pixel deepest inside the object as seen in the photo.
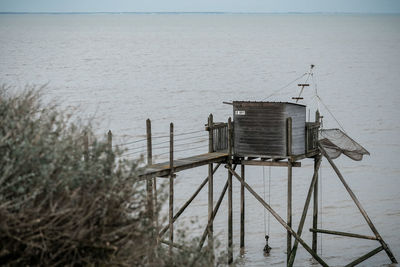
(219, 136)
(312, 129)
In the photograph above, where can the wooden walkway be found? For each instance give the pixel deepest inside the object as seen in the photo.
(163, 169)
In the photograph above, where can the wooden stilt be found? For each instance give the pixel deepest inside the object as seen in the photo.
(210, 185)
(230, 211)
(221, 197)
(242, 209)
(317, 160)
(289, 192)
(277, 217)
(149, 182)
(171, 187)
(358, 204)
(304, 214)
(315, 198)
(109, 154)
(181, 210)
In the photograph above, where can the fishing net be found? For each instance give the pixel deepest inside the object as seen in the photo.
(336, 142)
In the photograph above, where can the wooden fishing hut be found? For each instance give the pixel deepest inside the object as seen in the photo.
(261, 134)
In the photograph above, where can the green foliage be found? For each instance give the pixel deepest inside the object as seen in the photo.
(59, 208)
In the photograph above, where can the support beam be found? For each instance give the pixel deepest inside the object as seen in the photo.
(317, 163)
(171, 187)
(322, 231)
(242, 209)
(364, 257)
(289, 212)
(221, 197)
(315, 198)
(210, 185)
(304, 214)
(149, 182)
(358, 204)
(230, 206)
(277, 217)
(270, 163)
(289, 192)
(187, 203)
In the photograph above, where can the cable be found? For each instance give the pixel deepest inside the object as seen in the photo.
(180, 134)
(273, 93)
(178, 145)
(269, 199)
(128, 143)
(333, 116)
(181, 139)
(192, 148)
(265, 223)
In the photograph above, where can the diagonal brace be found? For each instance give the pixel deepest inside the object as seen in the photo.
(277, 217)
(304, 214)
(358, 204)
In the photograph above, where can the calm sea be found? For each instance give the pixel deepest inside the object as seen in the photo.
(121, 69)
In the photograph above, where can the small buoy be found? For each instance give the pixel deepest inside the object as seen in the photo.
(267, 248)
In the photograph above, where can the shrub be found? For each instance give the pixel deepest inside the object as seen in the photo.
(57, 208)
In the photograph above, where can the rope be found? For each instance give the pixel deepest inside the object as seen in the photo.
(273, 93)
(265, 220)
(302, 88)
(269, 199)
(333, 116)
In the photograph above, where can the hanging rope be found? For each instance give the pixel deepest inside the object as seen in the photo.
(287, 85)
(269, 199)
(265, 215)
(267, 248)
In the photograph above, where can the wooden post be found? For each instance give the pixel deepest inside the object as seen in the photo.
(109, 154)
(210, 185)
(230, 211)
(171, 187)
(242, 208)
(86, 147)
(289, 194)
(358, 204)
(149, 182)
(315, 198)
(277, 217)
(304, 214)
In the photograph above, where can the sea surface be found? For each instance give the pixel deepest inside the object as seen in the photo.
(117, 70)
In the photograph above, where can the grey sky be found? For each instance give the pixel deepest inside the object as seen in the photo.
(362, 6)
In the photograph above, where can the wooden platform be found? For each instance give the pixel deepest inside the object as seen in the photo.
(163, 169)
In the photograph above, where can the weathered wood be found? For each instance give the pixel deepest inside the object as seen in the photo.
(149, 182)
(260, 128)
(292, 255)
(86, 147)
(230, 207)
(210, 185)
(278, 218)
(289, 192)
(110, 158)
(187, 203)
(221, 197)
(270, 163)
(163, 169)
(365, 257)
(315, 198)
(358, 204)
(242, 208)
(317, 162)
(171, 187)
(315, 230)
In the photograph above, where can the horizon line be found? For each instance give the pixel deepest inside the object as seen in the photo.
(188, 12)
